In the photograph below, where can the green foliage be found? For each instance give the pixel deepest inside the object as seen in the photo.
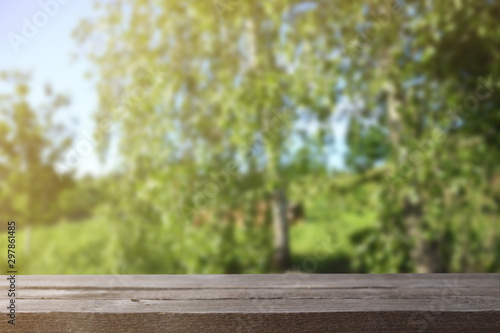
(224, 77)
(80, 201)
(208, 108)
(96, 247)
(30, 185)
(432, 209)
(211, 102)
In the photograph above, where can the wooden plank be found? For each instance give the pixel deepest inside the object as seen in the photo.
(256, 303)
(200, 294)
(263, 281)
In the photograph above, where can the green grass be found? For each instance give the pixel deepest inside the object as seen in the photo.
(65, 248)
(319, 244)
(324, 246)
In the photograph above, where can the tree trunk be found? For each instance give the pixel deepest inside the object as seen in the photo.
(281, 258)
(425, 253)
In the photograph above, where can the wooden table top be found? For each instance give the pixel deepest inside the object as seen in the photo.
(254, 303)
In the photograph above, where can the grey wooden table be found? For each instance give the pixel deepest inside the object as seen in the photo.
(255, 303)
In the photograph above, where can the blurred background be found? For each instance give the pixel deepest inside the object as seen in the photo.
(238, 136)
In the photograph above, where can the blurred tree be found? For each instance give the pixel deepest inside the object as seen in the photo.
(217, 108)
(79, 201)
(432, 68)
(194, 86)
(30, 186)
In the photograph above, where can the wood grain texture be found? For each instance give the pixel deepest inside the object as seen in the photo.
(255, 303)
